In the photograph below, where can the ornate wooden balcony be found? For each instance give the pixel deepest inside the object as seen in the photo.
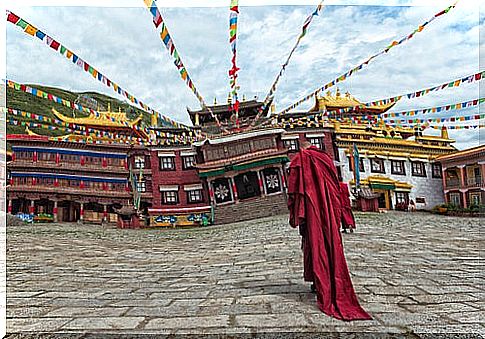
(475, 182)
(19, 163)
(68, 190)
(453, 183)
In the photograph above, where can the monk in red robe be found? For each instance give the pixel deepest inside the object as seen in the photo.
(348, 220)
(315, 207)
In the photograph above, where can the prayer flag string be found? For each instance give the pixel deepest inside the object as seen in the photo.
(167, 40)
(306, 24)
(365, 63)
(78, 61)
(233, 16)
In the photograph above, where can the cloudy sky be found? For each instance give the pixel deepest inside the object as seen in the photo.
(121, 42)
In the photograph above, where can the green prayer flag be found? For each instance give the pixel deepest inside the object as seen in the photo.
(22, 23)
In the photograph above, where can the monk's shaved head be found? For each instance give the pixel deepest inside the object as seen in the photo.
(304, 144)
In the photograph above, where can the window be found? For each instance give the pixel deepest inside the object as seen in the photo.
(167, 163)
(170, 197)
(139, 161)
(475, 199)
(317, 142)
(418, 169)
(291, 144)
(141, 186)
(436, 170)
(397, 167)
(271, 179)
(361, 165)
(377, 166)
(194, 196)
(188, 162)
(402, 198)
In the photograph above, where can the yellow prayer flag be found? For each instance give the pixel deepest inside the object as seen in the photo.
(148, 3)
(420, 28)
(30, 30)
(69, 54)
(457, 83)
(458, 106)
(95, 73)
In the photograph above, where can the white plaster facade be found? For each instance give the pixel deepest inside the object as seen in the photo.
(428, 187)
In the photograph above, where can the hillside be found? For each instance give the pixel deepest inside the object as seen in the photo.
(29, 103)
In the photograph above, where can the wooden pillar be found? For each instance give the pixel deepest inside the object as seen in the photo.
(282, 175)
(104, 162)
(58, 159)
(211, 193)
(234, 188)
(32, 207)
(105, 213)
(34, 156)
(482, 174)
(54, 211)
(260, 182)
(82, 160)
(443, 178)
(462, 176)
(9, 209)
(81, 212)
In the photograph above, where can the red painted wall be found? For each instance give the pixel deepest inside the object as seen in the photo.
(178, 177)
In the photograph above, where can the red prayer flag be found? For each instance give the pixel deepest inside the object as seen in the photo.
(86, 66)
(55, 45)
(12, 18)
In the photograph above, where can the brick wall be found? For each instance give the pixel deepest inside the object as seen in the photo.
(178, 177)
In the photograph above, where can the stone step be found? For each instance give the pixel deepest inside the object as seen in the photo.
(251, 209)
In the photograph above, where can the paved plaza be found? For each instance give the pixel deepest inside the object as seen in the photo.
(414, 272)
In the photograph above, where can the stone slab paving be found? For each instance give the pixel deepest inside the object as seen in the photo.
(416, 273)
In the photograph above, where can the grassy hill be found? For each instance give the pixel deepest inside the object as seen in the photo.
(32, 104)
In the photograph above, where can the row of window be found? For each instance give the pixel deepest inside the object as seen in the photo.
(102, 186)
(168, 163)
(293, 145)
(70, 158)
(418, 169)
(172, 197)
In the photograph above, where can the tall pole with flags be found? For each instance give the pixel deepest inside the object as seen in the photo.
(356, 163)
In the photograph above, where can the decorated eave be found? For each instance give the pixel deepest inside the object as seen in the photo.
(380, 182)
(235, 137)
(247, 109)
(471, 153)
(335, 102)
(103, 120)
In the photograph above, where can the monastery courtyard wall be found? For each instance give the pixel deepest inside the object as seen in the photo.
(414, 272)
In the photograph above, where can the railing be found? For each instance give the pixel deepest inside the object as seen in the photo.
(68, 165)
(475, 182)
(68, 190)
(453, 183)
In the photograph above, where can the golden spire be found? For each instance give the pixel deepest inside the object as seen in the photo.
(444, 132)
(337, 92)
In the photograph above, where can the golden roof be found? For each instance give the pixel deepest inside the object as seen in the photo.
(375, 179)
(332, 102)
(104, 119)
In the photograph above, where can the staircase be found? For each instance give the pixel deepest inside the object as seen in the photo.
(251, 209)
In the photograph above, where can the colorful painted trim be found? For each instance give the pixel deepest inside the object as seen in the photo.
(244, 166)
(68, 177)
(65, 151)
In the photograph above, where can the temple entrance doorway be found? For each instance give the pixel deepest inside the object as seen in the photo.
(247, 185)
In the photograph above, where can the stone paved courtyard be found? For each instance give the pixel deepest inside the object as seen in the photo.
(414, 272)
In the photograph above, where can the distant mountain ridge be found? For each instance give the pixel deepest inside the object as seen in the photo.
(29, 103)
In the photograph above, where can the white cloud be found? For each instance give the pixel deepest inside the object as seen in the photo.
(123, 44)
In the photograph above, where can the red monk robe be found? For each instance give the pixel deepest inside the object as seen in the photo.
(348, 220)
(314, 203)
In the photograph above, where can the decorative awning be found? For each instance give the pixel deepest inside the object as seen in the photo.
(168, 188)
(166, 154)
(244, 166)
(193, 187)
